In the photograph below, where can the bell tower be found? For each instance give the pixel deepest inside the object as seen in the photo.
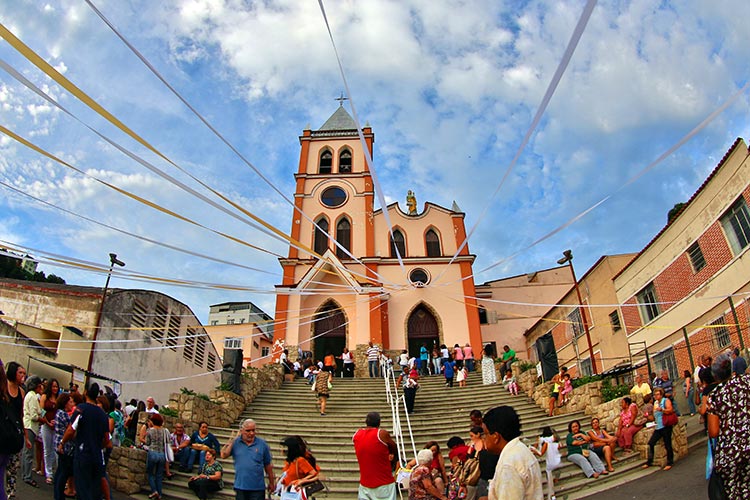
(334, 190)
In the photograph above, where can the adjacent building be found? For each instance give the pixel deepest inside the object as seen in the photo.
(241, 325)
(577, 337)
(355, 274)
(685, 294)
(508, 307)
(144, 342)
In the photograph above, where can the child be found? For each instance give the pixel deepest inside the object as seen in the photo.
(566, 389)
(549, 446)
(510, 383)
(461, 375)
(449, 368)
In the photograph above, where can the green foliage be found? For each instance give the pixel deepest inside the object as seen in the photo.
(578, 382)
(169, 412)
(189, 392)
(127, 443)
(203, 396)
(610, 392)
(525, 366)
(10, 267)
(224, 387)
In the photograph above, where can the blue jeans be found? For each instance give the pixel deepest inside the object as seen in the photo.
(155, 469)
(691, 400)
(470, 364)
(193, 455)
(373, 368)
(181, 456)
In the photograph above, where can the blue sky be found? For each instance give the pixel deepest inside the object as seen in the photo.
(449, 87)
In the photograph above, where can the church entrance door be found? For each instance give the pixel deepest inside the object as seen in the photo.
(329, 330)
(422, 328)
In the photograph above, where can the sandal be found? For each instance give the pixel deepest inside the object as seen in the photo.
(48, 480)
(32, 483)
(667, 467)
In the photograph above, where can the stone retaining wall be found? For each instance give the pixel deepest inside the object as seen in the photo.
(127, 466)
(127, 469)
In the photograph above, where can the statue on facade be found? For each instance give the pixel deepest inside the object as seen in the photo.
(411, 202)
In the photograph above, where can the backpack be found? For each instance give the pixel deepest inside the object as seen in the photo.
(11, 430)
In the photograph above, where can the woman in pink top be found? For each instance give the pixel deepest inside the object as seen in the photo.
(627, 428)
(458, 356)
(469, 357)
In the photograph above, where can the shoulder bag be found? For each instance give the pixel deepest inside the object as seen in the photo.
(310, 488)
(670, 419)
(168, 453)
(11, 430)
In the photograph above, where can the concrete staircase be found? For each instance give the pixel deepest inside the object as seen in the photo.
(440, 413)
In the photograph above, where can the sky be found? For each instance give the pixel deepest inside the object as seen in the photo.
(450, 88)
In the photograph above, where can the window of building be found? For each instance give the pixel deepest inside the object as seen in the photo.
(320, 245)
(483, 316)
(232, 343)
(647, 303)
(158, 328)
(242, 321)
(200, 349)
(230, 321)
(721, 333)
(433, 244)
(398, 242)
(139, 315)
(265, 351)
(343, 237)
(614, 320)
(326, 161)
(214, 322)
(345, 161)
(189, 350)
(575, 324)
(665, 360)
(696, 257)
(211, 362)
(419, 277)
(736, 224)
(333, 197)
(173, 332)
(586, 370)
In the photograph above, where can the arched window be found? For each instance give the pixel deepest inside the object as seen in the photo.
(326, 161)
(344, 238)
(398, 241)
(320, 244)
(345, 161)
(433, 244)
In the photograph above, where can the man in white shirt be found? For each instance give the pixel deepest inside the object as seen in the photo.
(517, 474)
(151, 405)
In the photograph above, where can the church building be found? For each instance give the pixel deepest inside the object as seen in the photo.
(357, 275)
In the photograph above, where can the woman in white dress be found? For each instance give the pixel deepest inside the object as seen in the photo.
(489, 376)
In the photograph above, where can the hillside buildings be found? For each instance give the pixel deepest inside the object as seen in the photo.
(144, 342)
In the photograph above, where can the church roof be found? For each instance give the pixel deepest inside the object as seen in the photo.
(339, 120)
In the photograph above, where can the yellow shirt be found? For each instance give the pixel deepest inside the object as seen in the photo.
(642, 389)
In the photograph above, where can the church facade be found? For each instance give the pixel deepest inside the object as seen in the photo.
(356, 274)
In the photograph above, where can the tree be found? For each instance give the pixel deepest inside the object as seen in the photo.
(674, 211)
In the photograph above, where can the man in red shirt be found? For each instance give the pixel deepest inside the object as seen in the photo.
(375, 451)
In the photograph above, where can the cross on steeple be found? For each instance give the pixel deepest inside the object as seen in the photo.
(341, 99)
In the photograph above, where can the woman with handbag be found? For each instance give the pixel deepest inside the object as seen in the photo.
(728, 422)
(665, 417)
(323, 388)
(157, 441)
(579, 454)
(209, 478)
(300, 469)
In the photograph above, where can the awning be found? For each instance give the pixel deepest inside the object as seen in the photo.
(72, 368)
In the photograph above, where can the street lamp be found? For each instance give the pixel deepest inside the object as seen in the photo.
(568, 259)
(113, 261)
